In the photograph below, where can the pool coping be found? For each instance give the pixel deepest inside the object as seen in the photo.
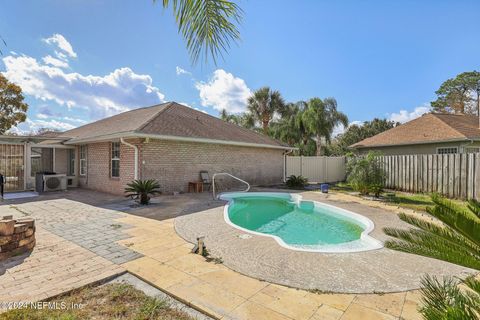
(365, 243)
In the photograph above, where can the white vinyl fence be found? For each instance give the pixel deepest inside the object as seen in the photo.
(453, 175)
(316, 169)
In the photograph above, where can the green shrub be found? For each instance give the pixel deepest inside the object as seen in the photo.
(296, 182)
(365, 173)
(142, 189)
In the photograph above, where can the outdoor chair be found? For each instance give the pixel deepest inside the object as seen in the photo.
(205, 178)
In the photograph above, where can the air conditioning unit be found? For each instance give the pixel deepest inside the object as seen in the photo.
(54, 182)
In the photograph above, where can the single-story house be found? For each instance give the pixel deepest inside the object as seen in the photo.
(432, 133)
(169, 142)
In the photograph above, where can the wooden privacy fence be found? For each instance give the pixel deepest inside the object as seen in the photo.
(316, 169)
(453, 175)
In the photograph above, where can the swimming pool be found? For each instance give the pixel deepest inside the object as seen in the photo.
(298, 224)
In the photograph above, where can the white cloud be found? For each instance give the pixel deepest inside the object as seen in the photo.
(75, 120)
(42, 116)
(224, 91)
(62, 44)
(405, 116)
(339, 129)
(55, 62)
(34, 125)
(181, 71)
(106, 95)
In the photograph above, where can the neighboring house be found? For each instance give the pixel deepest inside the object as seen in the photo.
(429, 134)
(170, 142)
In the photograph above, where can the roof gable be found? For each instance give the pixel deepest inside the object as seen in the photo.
(169, 119)
(428, 128)
(122, 122)
(181, 121)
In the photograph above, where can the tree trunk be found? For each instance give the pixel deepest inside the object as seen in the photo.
(319, 146)
(265, 121)
(265, 126)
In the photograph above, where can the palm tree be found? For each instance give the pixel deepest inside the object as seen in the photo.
(245, 120)
(207, 26)
(457, 240)
(290, 128)
(321, 117)
(264, 104)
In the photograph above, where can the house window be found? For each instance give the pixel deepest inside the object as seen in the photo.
(115, 163)
(83, 160)
(449, 150)
(71, 162)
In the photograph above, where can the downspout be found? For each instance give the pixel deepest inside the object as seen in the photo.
(285, 164)
(135, 175)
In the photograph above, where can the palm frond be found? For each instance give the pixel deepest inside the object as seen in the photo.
(207, 26)
(445, 300)
(474, 206)
(4, 43)
(473, 284)
(456, 218)
(444, 232)
(436, 248)
(454, 237)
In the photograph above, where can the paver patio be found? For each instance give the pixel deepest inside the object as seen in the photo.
(159, 256)
(54, 266)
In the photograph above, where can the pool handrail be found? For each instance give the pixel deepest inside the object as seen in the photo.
(230, 175)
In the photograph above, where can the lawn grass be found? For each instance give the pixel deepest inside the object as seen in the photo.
(111, 301)
(414, 201)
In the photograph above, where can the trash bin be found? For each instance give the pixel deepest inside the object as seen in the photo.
(324, 187)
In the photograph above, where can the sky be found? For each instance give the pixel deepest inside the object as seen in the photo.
(78, 61)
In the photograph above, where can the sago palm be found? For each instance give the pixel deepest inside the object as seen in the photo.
(454, 238)
(446, 300)
(207, 26)
(321, 117)
(142, 189)
(264, 104)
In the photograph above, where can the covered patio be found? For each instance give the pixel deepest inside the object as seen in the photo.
(21, 157)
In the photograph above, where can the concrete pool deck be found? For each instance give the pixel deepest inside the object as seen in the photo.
(382, 270)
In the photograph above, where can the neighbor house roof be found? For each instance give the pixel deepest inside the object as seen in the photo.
(170, 121)
(429, 128)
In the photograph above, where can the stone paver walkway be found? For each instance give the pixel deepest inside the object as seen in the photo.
(92, 228)
(54, 266)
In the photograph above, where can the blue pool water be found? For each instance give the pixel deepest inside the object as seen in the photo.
(303, 224)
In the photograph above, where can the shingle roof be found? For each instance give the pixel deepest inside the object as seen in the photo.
(170, 119)
(431, 127)
(122, 122)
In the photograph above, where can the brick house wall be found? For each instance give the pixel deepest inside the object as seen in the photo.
(174, 164)
(98, 175)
